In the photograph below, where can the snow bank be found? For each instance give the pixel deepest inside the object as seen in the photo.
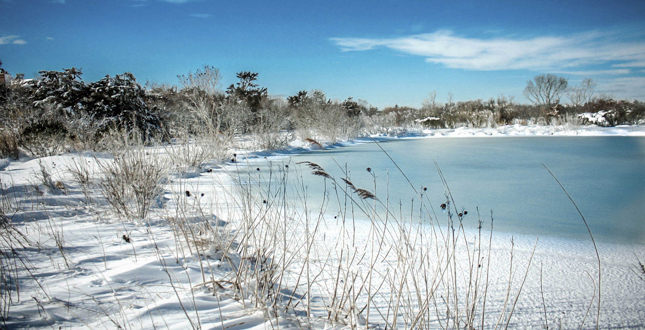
(536, 130)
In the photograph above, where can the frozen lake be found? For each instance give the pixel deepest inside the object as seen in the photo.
(605, 175)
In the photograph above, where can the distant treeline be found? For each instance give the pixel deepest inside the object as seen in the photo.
(58, 112)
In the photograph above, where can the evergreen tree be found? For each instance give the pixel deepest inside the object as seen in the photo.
(246, 91)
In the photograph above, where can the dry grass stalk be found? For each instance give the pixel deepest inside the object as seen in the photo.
(315, 143)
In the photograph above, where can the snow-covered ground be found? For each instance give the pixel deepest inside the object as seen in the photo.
(200, 258)
(561, 130)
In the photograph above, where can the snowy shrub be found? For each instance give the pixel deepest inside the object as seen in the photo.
(193, 150)
(88, 110)
(314, 116)
(133, 179)
(269, 129)
(121, 102)
(60, 93)
(608, 112)
(44, 138)
(83, 173)
(199, 110)
(599, 118)
(8, 144)
(569, 121)
(401, 116)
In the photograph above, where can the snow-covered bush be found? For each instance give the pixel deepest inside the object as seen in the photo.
(608, 112)
(401, 116)
(121, 102)
(315, 116)
(600, 118)
(269, 130)
(61, 101)
(61, 93)
(133, 180)
(193, 150)
(44, 138)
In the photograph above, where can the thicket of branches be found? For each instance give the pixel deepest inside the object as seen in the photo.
(58, 111)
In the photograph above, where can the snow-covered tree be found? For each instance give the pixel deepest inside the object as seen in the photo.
(60, 91)
(121, 101)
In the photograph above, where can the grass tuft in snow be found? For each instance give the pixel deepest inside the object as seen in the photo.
(133, 179)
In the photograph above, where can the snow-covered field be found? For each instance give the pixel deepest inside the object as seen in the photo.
(217, 251)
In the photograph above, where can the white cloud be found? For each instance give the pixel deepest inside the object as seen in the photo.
(596, 72)
(535, 53)
(13, 39)
(59, 1)
(632, 64)
(623, 88)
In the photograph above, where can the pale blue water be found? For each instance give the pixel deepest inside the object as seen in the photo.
(604, 175)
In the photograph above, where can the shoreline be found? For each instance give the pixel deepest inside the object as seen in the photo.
(300, 146)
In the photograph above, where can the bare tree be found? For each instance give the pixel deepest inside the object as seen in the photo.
(202, 93)
(207, 81)
(450, 97)
(582, 94)
(546, 89)
(430, 103)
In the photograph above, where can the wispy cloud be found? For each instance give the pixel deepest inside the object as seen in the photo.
(535, 53)
(596, 72)
(13, 39)
(624, 88)
(176, 1)
(62, 2)
(632, 64)
(201, 15)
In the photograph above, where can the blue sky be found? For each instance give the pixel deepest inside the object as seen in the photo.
(385, 52)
